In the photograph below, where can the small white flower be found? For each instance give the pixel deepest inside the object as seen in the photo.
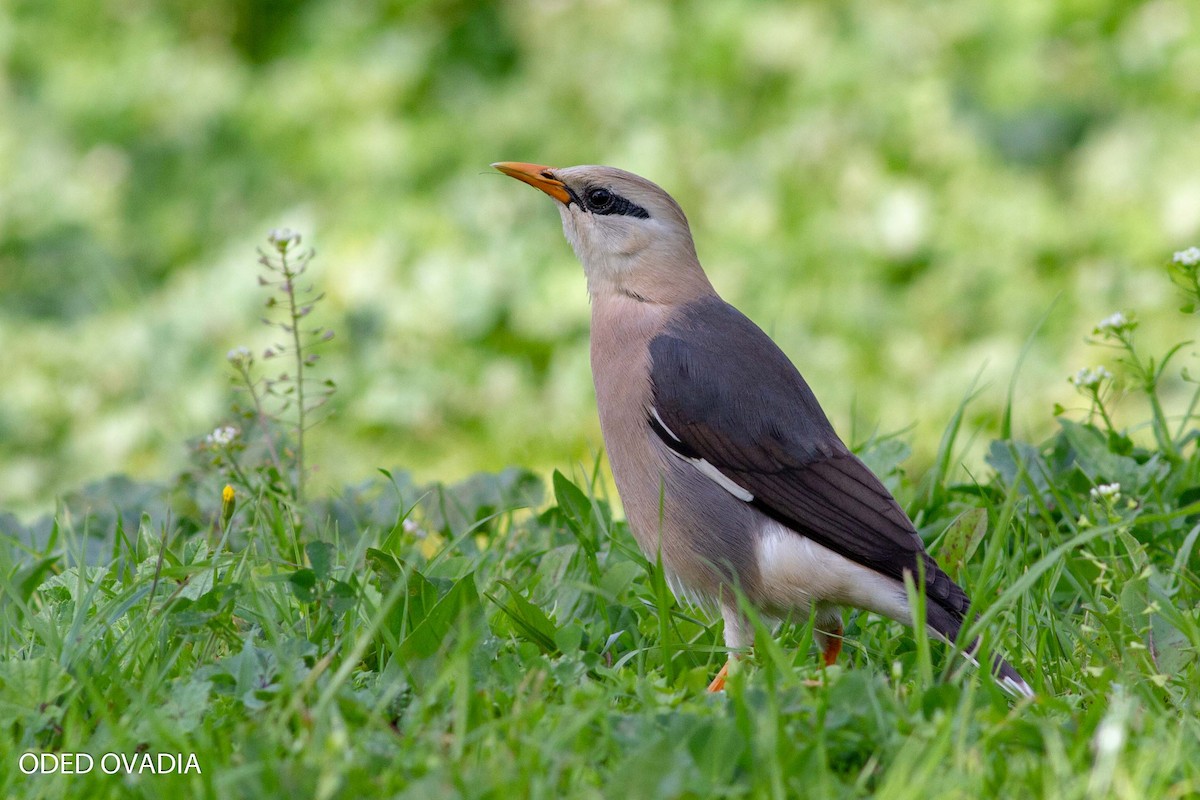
(221, 437)
(1114, 325)
(1189, 257)
(239, 355)
(413, 529)
(1090, 378)
(1106, 491)
(283, 238)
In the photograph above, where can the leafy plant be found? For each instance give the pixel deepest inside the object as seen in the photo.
(279, 409)
(464, 641)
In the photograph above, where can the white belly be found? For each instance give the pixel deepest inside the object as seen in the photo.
(796, 572)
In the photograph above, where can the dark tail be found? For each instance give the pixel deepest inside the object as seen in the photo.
(946, 624)
(1008, 678)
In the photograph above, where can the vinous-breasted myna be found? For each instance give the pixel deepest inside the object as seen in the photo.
(723, 458)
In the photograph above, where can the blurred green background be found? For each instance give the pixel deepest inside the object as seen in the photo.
(897, 191)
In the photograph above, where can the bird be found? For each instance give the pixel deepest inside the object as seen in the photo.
(726, 465)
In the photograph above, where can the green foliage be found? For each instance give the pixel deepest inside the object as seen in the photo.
(463, 641)
(537, 655)
(896, 191)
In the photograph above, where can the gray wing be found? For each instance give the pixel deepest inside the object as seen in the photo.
(724, 393)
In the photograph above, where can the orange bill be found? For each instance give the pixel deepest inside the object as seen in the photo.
(536, 175)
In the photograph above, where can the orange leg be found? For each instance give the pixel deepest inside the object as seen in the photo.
(718, 683)
(833, 646)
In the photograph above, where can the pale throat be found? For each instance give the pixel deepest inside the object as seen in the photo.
(653, 269)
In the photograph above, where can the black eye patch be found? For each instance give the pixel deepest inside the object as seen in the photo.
(599, 200)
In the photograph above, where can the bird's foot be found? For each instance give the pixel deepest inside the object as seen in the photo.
(718, 683)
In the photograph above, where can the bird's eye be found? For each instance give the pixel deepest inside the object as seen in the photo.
(600, 199)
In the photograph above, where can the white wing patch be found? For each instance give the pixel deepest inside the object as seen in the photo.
(670, 432)
(706, 469)
(717, 477)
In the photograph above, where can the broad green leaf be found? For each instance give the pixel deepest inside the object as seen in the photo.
(29, 577)
(619, 575)
(576, 507)
(568, 638)
(432, 632)
(388, 567)
(961, 540)
(304, 584)
(1172, 649)
(320, 556)
(530, 621)
(1091, 451)
(1012, 459)
(421, 596)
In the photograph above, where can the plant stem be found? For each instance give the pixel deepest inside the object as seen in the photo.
(1149, 378)
(263, 420)
(294, 314)
(1162, 430)
(1099, 406)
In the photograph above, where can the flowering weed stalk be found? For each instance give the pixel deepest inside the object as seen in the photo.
(268, 454)
(285, 263)
(1116, 330)
(1091, 383)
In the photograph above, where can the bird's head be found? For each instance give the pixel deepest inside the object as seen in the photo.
(631, 236)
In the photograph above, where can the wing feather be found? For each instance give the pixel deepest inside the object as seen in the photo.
(725, 393)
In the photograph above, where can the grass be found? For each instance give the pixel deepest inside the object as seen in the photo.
(478, 640)
(538, 655)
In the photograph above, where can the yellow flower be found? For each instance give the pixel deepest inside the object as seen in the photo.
(227, 504)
